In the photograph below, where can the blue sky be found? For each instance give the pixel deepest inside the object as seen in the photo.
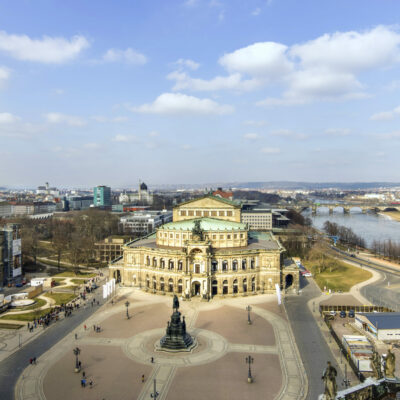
(198, 91)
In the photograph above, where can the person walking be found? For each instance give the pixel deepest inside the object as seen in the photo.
(84, 326)
(34, 360)
(152, 360)
(76, 336)
(90, 384)
(142, 378)
(83, 375)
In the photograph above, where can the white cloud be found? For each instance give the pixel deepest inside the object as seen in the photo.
(7, 118)
(45, 50)
(129, 56)
(182, 62)
(265, 59)
(59, 118)
(178, 103)
(232, 82)
(251, 136)
(337, 131)
(256, 12)
(386, 115)
(270, 150)
(4, 75)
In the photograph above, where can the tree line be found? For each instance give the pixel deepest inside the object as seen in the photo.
(344, 234)
(386, 248)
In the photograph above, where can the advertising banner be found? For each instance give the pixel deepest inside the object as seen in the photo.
(17, 272)
(104, 291)
(16, 247)
(278, 293)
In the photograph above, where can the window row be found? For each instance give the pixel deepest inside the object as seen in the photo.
(206, 213)
(189, 236)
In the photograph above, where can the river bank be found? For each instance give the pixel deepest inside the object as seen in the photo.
(394, 215)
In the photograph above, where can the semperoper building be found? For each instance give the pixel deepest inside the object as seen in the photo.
(206, 251)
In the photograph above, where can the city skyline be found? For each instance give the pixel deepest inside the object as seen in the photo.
(198, 91)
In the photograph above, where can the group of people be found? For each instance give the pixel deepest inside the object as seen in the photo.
(97, 328)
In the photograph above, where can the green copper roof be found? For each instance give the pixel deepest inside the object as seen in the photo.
(207, 224)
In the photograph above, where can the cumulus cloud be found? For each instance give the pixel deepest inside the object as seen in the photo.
(386, 115)
(8, 118)
(178, 103)
(256, 12)
(59, 118)
(186, 63)
(270, 150)
(51, 50)
(128, 56)
(251, 136)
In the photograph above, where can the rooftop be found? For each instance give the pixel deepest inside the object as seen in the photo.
(207, 224)
(390, 320)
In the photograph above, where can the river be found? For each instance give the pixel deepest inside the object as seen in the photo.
(369, 226)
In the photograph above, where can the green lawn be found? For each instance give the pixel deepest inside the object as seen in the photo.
(10, 326)
(73, 274)
(61, 298)
(27, 316)
(38, 303)
(341, 276)
(78, 281)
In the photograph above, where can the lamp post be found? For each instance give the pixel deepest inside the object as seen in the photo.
(76, 351)
(249, 360)
(248, 309)
(155, 394)
(127, 305)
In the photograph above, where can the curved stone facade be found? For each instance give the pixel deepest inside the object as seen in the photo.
(204, 257)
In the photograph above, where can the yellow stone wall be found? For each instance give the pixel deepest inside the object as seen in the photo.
(206, 207)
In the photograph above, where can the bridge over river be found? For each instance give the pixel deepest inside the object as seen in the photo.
(347, 207)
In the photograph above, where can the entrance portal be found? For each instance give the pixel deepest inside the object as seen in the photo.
(214, 288)
(288, 281)
(196, 288)
(117, 276)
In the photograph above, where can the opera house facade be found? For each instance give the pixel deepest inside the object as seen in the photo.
(206, 251)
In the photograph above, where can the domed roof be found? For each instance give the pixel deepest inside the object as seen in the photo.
(143, 186)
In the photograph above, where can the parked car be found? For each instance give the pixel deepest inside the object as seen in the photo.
(342, 314)
(351, 314)
(306, 273)
(333, 313)
(18, 284)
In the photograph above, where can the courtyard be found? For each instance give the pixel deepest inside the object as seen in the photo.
(123, 350)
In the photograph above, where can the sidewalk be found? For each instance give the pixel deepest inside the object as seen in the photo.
(313, 305)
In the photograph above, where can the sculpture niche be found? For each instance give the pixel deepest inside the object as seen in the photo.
(176, 337)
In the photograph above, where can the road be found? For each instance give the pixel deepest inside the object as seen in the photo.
(313, 348)
(12, 367)
(386, 291)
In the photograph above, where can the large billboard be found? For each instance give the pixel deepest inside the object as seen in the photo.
(16, 247)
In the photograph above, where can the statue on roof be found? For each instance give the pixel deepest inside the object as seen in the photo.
(390, 364)
(197, 231)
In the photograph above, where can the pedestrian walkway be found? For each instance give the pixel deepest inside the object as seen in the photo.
(213, 352)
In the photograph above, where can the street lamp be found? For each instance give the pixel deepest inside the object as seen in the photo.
(155, 394)
(248, 309)
(249, 360)
(76, 351)
(127, 305)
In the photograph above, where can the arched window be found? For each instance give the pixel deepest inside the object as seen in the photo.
(162, 263)
(253, 284)
(154, 262)
(162, 288)
(180, 286)
(225, 287)
(214, 287)
(180, 265)
(252, 263)
(234, 265)
(148, 261)
(154, 283)
(147, 281)
(224, 265)
(170, 285)
(214, 265)
(244, 285)
(235, 286)
(244, 264)
(171, 264)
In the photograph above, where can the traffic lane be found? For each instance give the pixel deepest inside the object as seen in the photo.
(12, 366)
(312, 345)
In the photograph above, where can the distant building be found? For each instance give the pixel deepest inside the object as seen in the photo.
(110, 248)
(18, 209)
(78, 202)
(258, 219)
(142, 196)
(46, 190)
(228, 195)
(102, 196)
(10, 254)
(5, 209)
(383, 326)
(144, 222)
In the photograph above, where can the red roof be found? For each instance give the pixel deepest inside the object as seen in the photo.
(223, 194)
